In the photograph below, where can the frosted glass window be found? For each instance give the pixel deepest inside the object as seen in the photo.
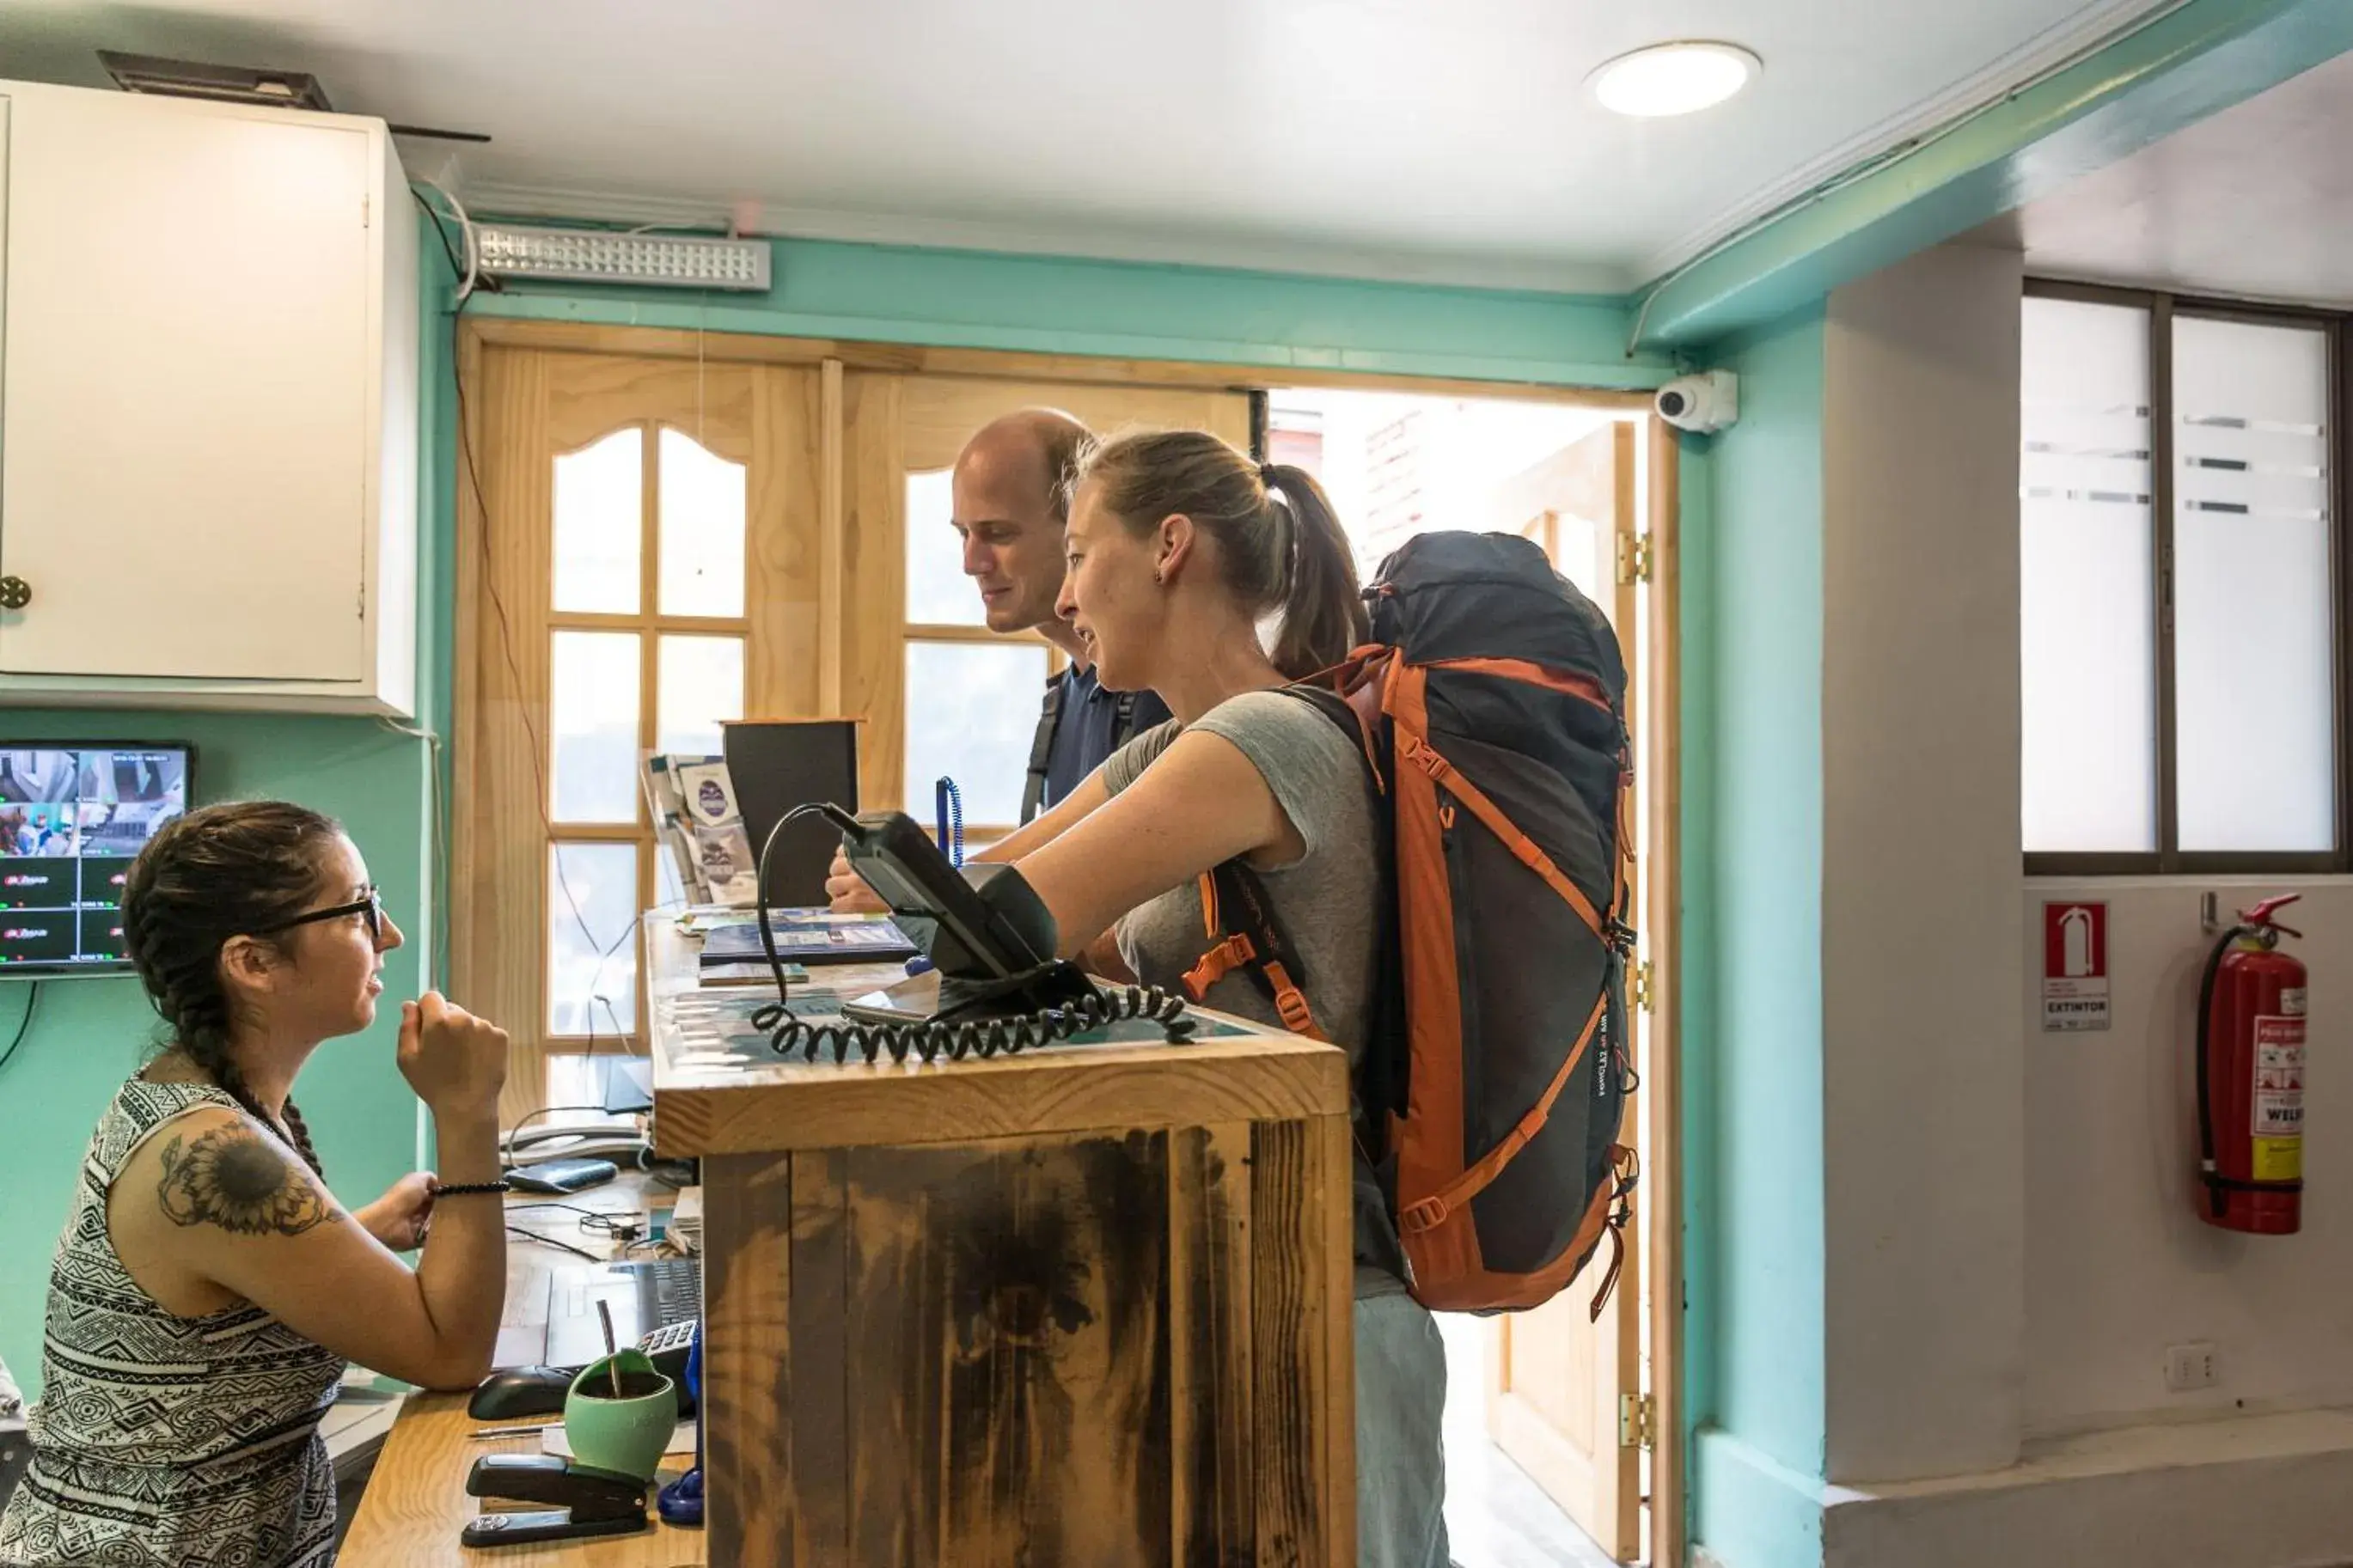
(972, 708)
(592, 726)
(2087, 626)
(592, 964)
(701, 518)
(938, 592)
(599, 517)
(699, 685)
(2254, 694)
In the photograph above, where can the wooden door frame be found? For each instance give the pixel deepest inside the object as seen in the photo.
(1663, 1179)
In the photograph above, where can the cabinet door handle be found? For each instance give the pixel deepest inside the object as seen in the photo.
(15, 592)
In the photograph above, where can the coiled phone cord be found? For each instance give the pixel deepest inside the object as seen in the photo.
(929, 1040)
(982, 1038)
(949, 809)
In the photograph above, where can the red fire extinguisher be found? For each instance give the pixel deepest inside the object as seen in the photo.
(2251, 1078)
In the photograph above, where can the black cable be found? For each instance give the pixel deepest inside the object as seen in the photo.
(457, 270)
(2217, 1197)
(25, 1024)
(472, 473)
(680, 1175)
(551, 1241)
(843, 820)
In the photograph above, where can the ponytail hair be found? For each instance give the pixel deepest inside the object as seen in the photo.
(1323, 602)
(1279, 545)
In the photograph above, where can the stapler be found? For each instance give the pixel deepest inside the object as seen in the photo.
(588, 1501)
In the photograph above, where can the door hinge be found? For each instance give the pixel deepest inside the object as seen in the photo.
(1639, 993)
(1638, 1415)
(367, 211)
(1633, 558)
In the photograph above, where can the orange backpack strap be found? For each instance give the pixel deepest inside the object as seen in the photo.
(1243, 934)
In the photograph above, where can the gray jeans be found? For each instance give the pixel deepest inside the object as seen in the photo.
(1400, 1399)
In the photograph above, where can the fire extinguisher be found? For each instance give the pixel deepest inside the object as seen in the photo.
(2251, 1078)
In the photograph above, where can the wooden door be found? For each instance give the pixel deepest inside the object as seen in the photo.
(913, 629)
(642, 564)
(1558, 1382)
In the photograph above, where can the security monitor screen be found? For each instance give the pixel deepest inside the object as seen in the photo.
(71, 819)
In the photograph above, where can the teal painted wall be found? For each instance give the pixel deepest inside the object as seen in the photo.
(1124, 309)
(1753, 811)
(90, 1035)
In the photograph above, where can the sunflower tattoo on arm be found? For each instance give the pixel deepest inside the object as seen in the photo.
(231, 1177)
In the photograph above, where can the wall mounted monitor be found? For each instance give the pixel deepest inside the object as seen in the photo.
(73, 815)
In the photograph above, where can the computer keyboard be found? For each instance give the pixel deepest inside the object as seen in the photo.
(644, 1295)
(669, 1291)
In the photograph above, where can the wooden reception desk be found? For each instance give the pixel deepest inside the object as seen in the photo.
(1082, 1305)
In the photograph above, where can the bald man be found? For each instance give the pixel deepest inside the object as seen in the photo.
(1011, 492)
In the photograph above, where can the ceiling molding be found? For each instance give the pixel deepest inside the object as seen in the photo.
(2197, 58)
(2088, 29)
(1305, 258)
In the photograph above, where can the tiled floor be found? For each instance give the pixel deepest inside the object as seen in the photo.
(1495, 1516)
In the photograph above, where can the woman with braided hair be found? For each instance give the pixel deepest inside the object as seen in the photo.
(209, 1289)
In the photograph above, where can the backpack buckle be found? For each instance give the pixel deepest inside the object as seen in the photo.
(1428, 1214)
(1217, 964)
(1291, 1006)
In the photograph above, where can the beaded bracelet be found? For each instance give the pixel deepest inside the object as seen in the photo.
(464, 1189)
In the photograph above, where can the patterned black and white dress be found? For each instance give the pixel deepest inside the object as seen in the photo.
(160, 1439)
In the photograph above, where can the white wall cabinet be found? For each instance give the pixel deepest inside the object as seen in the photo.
(208, 405)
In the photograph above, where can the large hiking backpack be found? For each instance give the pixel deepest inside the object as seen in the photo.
(1491, 709)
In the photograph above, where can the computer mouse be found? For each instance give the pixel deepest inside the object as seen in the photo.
(514, 1392)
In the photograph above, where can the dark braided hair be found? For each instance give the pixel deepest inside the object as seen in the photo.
(216, 873)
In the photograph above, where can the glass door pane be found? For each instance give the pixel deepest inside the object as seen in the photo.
(593, 680)
(938, 592)
(599, 510)
(700, 685)
(972, 708)
(592, 958)
(701, 517)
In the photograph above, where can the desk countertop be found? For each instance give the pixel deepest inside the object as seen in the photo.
(416, 1502)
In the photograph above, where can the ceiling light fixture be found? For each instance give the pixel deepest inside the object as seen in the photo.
(1673, 79)
(600, 256)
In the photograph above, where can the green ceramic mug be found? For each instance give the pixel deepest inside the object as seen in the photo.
(628, 1434)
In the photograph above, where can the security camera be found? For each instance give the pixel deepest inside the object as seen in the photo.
(1704, 403)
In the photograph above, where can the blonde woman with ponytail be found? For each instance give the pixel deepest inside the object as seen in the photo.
(1180, 550)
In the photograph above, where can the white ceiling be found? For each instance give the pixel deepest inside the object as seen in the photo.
(2255, 203)
(1440, 141)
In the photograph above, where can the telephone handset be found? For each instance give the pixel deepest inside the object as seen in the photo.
(990, 936)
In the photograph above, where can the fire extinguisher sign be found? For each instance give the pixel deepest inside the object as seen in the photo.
(2278, 1101)
(2074, 966)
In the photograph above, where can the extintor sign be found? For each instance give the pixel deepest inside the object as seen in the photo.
(2074, 966)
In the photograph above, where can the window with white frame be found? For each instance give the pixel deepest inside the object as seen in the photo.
(2180, 585)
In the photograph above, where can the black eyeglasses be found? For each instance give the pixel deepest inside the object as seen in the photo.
(371, 906)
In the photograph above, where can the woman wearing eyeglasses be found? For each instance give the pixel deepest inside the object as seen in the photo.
(209, 1288)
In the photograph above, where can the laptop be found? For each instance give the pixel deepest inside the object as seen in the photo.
(644, 1295)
